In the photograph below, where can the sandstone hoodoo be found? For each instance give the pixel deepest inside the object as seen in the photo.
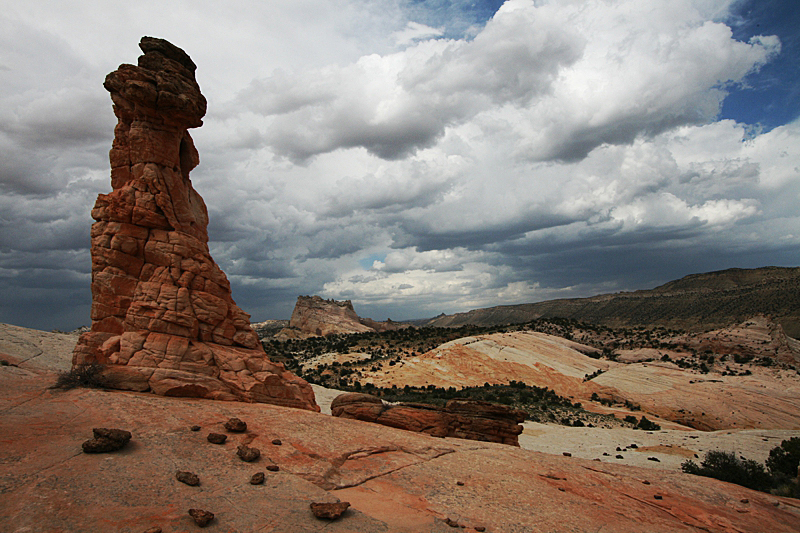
(163, 319)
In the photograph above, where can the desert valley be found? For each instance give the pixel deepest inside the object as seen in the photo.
(172, 412)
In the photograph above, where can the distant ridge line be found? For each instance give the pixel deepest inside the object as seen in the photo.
(697, 302)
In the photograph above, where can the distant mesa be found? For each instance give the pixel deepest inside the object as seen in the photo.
(314, 316)
(163, 319)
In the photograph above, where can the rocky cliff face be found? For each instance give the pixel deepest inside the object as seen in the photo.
(163, 318)
(463, 419)
(314, 316)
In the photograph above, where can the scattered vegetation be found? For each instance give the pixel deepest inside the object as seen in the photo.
(778, 475)
(86, 376)
(540, 403)
(356, 359)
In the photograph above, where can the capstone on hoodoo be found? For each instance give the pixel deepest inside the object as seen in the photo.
(163, 318)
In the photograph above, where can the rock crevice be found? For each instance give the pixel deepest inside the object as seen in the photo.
(163, 318)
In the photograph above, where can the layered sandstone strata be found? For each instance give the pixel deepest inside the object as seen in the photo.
(463, 419)
(163, 318)
(314, 316)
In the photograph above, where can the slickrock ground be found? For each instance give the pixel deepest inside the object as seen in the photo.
(769, 398)
(671, 447)
(396, 481)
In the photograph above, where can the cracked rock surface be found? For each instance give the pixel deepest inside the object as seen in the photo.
(396, 481)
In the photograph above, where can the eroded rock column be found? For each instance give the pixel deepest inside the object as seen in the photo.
(163, 318)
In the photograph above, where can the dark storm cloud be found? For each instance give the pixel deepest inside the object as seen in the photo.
(417, 157)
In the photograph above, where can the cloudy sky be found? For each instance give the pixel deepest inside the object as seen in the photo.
(414, 156)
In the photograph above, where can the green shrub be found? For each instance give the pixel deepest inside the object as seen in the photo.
(647, 425)
(784, 459)
(725, 466)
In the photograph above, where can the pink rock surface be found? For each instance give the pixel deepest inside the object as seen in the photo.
(163, 318)
(396, 481)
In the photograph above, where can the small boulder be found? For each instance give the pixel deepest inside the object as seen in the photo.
(201, 518)
(248, 454)
(257, 478)
(188, 478)
(329, 511)
(195, 428)
(273, 468)
(235, 425)
(277, 442)
(154, 529)
(217, 438)
(106, 440)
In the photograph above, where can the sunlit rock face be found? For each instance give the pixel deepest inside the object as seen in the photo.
(313, 317)
(163, 318)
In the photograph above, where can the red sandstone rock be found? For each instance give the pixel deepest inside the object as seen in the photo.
(163, 318)
(397, 481)
(329, 511)
(464, 419)
(314, 316)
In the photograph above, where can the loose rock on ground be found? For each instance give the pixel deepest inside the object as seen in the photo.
(106, 440)
(248, 454)
(188, 478)
(329, 511)
(235, 425)
(202, 518)
(217, 438)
